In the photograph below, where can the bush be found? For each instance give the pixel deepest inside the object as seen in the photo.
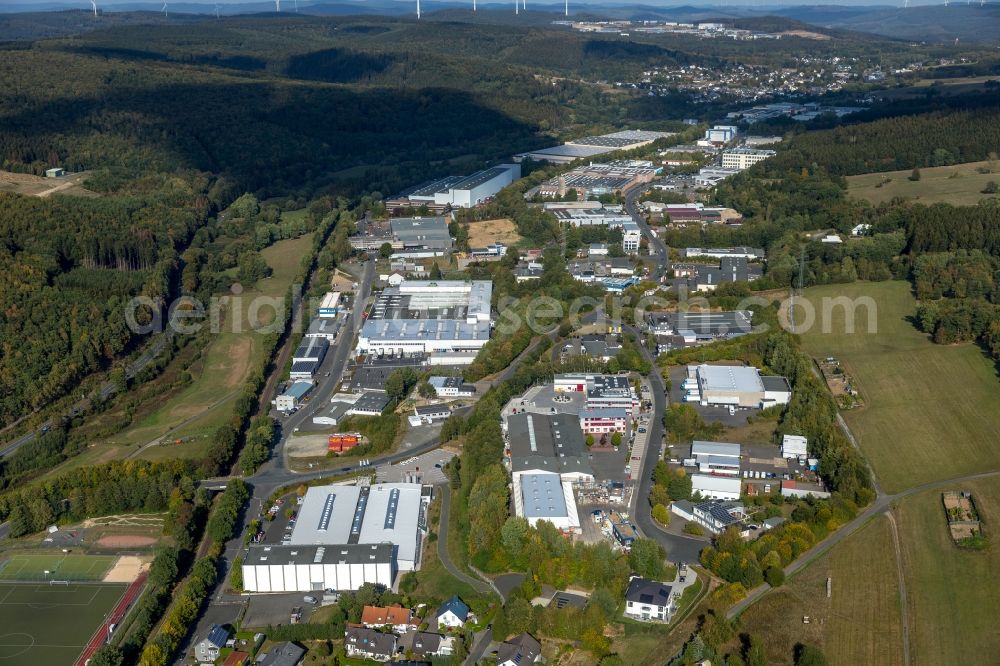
(695, 529)
(661, 514)
(775, 576)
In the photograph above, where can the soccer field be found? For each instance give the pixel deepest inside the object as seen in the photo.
(61, 566)
(50, 624)
(931, 411)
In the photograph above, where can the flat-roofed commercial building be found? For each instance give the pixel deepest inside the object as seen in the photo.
(544, 496)
(299, 568)
(478, 187)
(696, 328)
(539, 443)
(428, 316)
(744, 158)
(590, 146)
(721, 458)
(602, 421)
(738, 386)
(344, 536)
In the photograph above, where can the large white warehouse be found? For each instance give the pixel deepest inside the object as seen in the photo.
(429, 316)
(344, 536)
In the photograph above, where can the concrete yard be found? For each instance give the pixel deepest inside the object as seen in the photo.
(429, 466)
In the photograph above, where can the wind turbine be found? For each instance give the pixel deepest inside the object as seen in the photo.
(93, 3)
(296, 6)
(566, 13)
(277, 5)
(216, 10)
(418, 10)
(517, 7)
(164, 10)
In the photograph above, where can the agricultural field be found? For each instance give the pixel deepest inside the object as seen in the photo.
(860, 623)
(930, 411)
(51, 624)
(959, 185)
(488, 232)
(951, 591)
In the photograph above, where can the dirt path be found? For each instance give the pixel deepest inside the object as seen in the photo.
(903, 609)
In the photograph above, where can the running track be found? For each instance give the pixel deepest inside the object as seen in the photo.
(114, 617)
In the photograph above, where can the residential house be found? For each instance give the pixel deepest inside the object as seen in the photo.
(452, 613)
(422, 644)
(282, 654)
(207, 650)
(399, 618)
(369, 644)
(519, 651)
(648, 600)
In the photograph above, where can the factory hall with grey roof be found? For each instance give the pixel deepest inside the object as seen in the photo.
(344, 536)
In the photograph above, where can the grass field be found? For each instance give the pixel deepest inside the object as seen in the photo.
(488, 232)
(931, 411)
(60, 566)
(959, 185)
(192, 413)
(50, 624)
(860, 623)
(952, 593)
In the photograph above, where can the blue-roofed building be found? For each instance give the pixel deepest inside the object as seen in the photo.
(292, 396)
(452, 613)
(207, 651)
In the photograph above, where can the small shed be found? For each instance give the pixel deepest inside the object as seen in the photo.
(56, 172)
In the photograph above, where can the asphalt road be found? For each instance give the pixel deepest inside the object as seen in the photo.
(680, 548)
(657, 247)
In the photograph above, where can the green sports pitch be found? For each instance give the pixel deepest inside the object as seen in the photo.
(61, 566)
(43, 623)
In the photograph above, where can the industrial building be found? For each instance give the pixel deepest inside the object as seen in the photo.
(716, 458)
(369, 403)
(315, 568)
(709, 486)
(308, 357)
(591, 146)
(704, 277)
(458, 191)
(793, 446)
(544, 496)
(599, 178)
(345, 536)
(424, 317)
(408, 236)
(292, 396)
(540, 443)
(589, 214)
(322, 327)
(734, 385)
(748, 253)
(330, 304)
(603, 391)
(744, 158)
(451, 387)
(675, 330)
(719, 135)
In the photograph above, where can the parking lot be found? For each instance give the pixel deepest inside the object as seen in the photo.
(428, 468)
